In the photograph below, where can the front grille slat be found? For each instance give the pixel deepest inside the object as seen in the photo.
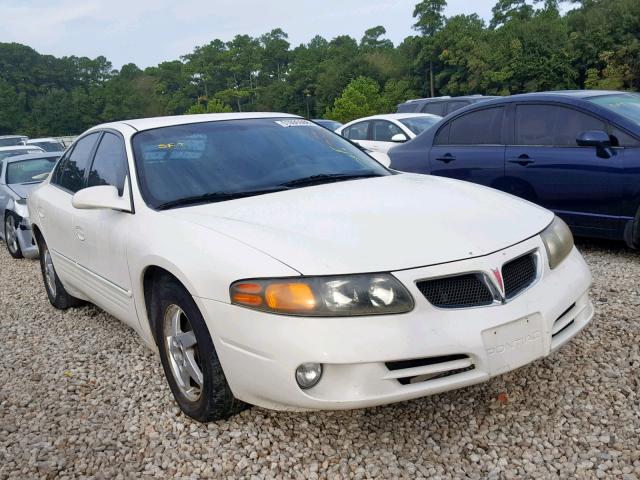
(459, 291)
(519, 274)
(473, 290)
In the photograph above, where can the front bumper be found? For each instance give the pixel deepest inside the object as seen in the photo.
(259, 352)
(26, 240)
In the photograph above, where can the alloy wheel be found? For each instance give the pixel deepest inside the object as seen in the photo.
(182, 351)
(11, 233)
(49, 272)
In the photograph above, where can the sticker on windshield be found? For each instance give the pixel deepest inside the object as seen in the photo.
(294, 123)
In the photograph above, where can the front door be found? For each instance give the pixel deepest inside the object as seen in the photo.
(470, 147)
(546, 166)
(102, 234)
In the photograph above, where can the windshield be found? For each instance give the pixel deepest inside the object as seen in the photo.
(12, 153)
(419, 124)
(224, 158)
(49, 146)
(27, 171)
(11, 141)
(625, 104)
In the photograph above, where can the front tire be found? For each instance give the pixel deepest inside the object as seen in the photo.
(58, 296)
(189, 359)
(11, 235)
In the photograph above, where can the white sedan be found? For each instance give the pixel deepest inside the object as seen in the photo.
(271, 262)
(381, 132)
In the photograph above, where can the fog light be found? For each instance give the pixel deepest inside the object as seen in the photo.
(308, 375)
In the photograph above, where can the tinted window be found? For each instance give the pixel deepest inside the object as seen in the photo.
(480, 127)
(453, 106)
(359, 131)
(407, 107)
(436, 108)
(442, 137)
(72, 172)
(49, 146)
(110, 163)
(29, 171)
(242, 156)
(620, 138)
(383, 131)
(552, 125)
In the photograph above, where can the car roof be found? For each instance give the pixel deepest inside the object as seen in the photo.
(32, 156)
(18, 147)
(44, 139)
(141, 124)
(448, 98)
(396, 116)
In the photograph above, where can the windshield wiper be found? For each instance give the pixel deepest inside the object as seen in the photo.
(327, 178)
(215, 197)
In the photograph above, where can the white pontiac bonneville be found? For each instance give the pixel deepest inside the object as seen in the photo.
(272, 262)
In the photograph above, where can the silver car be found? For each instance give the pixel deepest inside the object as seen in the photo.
(19, 175)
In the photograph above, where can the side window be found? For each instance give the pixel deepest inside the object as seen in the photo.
(57, 172)
(74, 167)
(552, 125)
(436, 108)
(110, 163)
(620, 138)
(479, 127)
(442, 137)
(383, 130)
(359, 131)
(453, 106)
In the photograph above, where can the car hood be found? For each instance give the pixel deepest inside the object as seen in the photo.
(372, 225)
(23, 189)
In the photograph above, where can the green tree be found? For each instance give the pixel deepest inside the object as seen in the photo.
(360, 98)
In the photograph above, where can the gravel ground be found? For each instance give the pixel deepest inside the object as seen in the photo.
(81, 397)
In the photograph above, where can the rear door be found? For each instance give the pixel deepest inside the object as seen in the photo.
(544, 164)
(359, 133)
(382, 131)
(471, 147)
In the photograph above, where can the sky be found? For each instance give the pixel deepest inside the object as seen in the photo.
(147, 32)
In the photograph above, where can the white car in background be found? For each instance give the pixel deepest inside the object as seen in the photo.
(272, 262)
(48, 144)
(11, 140)
(381, 132)
(6, 152)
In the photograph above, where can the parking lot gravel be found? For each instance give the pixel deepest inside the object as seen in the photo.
(80, 396)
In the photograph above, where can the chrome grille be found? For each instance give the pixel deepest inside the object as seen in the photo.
(519, 274)
(468, 290)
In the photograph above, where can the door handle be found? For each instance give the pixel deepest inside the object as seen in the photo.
(522, 160)
(80, 234)
(446, 158)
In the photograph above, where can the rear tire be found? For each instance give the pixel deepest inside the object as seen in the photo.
(189, 359)
(11, 226)
(58, 296)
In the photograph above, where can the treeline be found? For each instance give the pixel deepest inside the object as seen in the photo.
(527, 46)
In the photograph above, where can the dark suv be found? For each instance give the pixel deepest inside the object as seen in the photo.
(440, 105)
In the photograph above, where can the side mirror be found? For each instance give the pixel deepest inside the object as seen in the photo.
(598, 139)
(399, 138)
(102, 197)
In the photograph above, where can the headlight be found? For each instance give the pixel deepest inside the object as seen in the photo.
(338, 296)
(558, 241)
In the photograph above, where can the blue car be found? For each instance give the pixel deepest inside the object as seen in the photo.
(574, 152)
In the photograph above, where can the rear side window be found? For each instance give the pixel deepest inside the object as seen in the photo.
(110, 163)
(72, 170)
(383, 131)
(453, 106)
(552, 125)
(407, 107)
(480, 127)
(436, 108)
(359, 131)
